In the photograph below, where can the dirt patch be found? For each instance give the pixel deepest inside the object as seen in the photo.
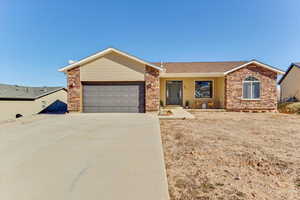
(233, 156)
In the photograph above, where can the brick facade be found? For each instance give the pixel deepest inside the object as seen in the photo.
(152, 95)
(74, 89)
(234, 85)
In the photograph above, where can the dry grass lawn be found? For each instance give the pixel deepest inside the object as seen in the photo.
(232, 156)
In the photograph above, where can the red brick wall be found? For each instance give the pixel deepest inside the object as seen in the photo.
(234, 85)
(152, 95)
(74, 89)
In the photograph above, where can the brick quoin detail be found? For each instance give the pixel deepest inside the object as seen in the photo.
(74, 87)
(234, 85)
(152, 95)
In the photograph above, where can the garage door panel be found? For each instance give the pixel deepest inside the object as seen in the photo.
(111, 109)
(114, 98)
(108, 101)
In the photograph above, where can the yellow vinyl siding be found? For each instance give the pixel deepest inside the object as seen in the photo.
(290, 86)
(220, 89)
(189, 90)
(112, 67)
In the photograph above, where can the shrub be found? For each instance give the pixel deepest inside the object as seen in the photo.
(187, 103)
(161, 103)
(289, 107)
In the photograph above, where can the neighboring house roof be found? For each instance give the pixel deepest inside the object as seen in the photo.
(288, 70)
(12, 92)
(214, 68)
(102, 53)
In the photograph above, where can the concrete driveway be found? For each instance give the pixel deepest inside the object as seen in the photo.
(82, 157)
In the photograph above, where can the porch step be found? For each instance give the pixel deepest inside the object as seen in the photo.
(172, 107)
(207, 110)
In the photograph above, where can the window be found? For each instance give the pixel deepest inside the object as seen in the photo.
(44, 103)
(203, 89)
(251, 88)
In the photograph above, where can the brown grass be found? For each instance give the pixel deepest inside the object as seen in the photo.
(289, 107)
(233, 156)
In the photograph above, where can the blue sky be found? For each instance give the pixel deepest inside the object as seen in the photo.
(38, 37)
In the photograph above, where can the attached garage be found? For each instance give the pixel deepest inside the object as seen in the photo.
(114, 97)
(112, 81)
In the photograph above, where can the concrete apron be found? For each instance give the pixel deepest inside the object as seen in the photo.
(83, 157)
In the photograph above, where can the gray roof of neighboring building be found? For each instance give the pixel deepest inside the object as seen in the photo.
(297, 64)
(24, 92)
(288, 70)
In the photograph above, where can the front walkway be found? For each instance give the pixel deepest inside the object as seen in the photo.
(177, 113)
(82, 156)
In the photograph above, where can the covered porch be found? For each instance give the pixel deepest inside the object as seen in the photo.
(193, 92)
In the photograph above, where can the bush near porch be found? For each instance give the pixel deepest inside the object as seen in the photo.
(289, 107)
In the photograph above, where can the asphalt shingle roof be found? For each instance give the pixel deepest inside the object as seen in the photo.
(200, 67)
(24, 92)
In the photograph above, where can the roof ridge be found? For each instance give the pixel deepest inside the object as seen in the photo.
(202, 61)
(293, 64)
(296, 63)
(25, 92)
(16, 85)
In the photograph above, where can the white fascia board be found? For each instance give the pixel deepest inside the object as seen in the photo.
(171, 75)
(102, 53)
(257, 63)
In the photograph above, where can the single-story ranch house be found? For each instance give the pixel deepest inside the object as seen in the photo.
(114, 81)
(290, 83)
(17, 101)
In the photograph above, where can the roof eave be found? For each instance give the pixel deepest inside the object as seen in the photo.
(188, 74)
(287, 71)
(257, 63)
(50, 92)
(296, 64)
(104, 52)
(17, 98)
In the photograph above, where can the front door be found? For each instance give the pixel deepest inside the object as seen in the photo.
(174, 93)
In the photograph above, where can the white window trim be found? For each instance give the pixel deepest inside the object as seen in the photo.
(213, 90)
(251, 94)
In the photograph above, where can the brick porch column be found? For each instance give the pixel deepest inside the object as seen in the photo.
(152, 93)
(74, 89)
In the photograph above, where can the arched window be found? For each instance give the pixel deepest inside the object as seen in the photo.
(251, 88)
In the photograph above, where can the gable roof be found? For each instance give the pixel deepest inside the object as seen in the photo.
(288, 70)
(256, 63)
(104, 52)
(220, 68)
(11, 92)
